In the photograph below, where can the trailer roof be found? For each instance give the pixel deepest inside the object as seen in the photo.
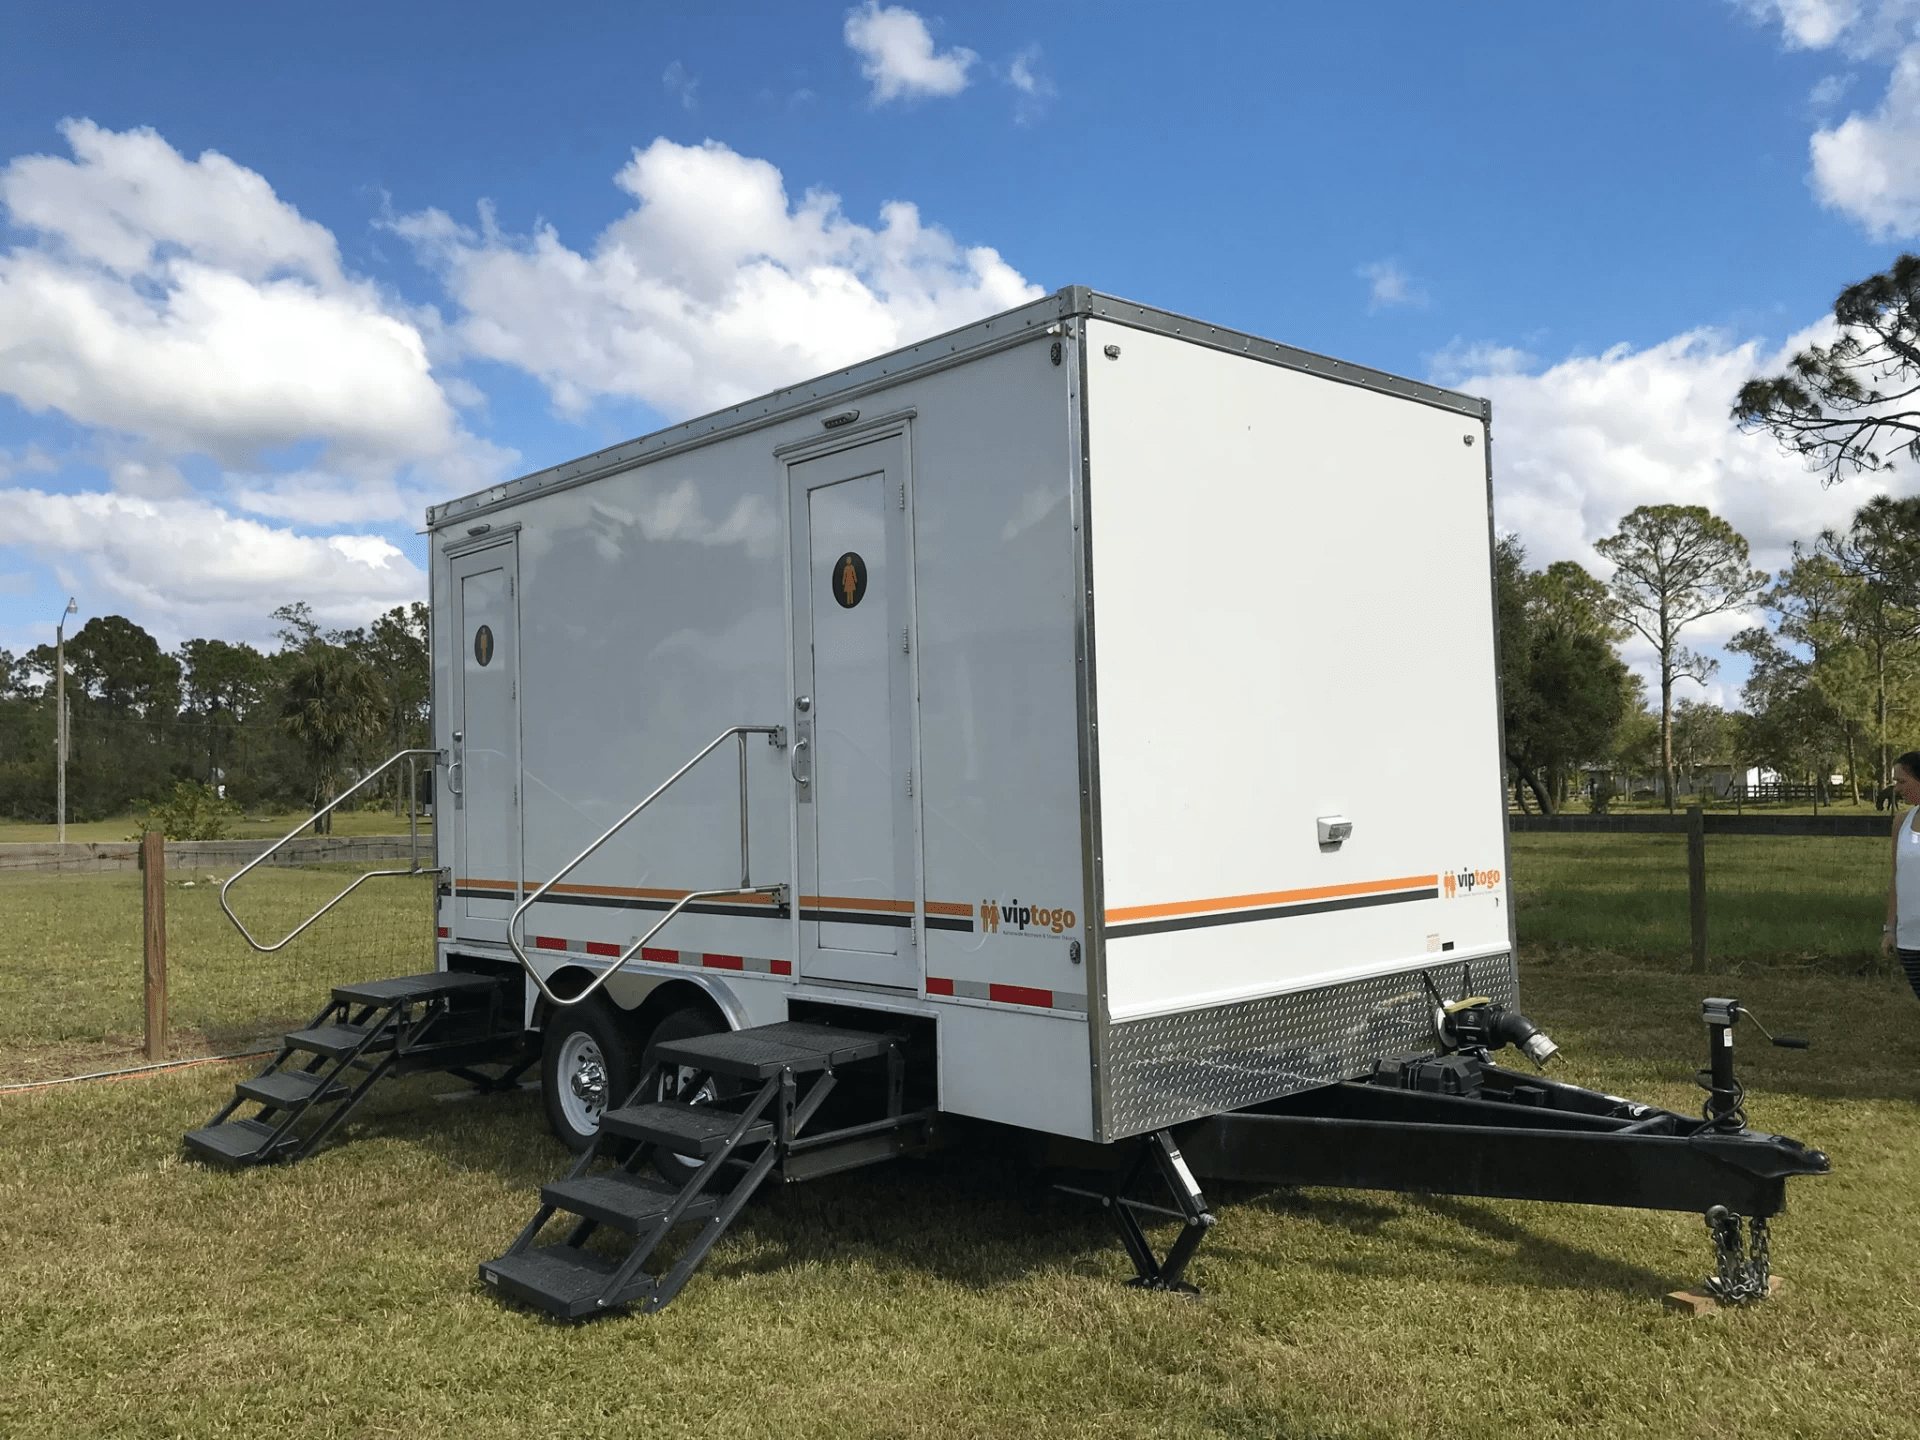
(940, 351)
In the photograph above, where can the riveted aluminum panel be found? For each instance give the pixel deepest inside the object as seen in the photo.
(1164, 1069)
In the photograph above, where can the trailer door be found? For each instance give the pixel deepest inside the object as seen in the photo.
(851, 639)
(486, 750)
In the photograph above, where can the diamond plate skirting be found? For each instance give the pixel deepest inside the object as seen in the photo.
(1168, 1068)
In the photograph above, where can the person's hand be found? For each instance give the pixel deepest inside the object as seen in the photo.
(1886, 942)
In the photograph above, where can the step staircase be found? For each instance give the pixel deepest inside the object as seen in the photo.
(366, 1033)
(783, 1075)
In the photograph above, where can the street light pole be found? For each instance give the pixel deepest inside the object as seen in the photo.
(60, 711)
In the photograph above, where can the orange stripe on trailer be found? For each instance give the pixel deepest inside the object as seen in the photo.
(507, 885)
(844, 902)
(947, 907)
(1271, 897)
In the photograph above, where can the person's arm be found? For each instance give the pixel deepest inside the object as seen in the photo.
(1893, 881)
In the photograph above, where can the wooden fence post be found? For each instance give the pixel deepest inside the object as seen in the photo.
(1697, 885)
(153, 862)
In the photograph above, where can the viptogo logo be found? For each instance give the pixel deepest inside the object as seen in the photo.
(1014, 918)
(1465, 882)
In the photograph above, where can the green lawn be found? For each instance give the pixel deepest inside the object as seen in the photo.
(72, 973)
(958, 1296)
(1779, 900)
(247, 827)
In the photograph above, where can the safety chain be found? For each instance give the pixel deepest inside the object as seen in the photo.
(1743, 1279)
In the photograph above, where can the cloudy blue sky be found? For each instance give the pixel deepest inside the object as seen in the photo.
(274, 277)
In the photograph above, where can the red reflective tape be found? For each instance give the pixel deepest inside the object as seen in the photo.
(723, 962)
(548, 942)
(1019, 995)
(939, 987)
(660, 957)
(442, 932)
(600, 947)
(781, 967)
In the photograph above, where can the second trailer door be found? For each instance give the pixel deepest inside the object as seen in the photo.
(853, 780)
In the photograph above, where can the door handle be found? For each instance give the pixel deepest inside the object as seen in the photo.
(802, 763)
(457, 763)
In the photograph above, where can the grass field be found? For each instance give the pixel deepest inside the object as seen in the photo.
(957, 1296)
(71, 964)
(1779, 900)
(241, 827)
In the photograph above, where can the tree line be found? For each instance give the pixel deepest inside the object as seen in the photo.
(1835, 680)
(272, 729)
(1835, 683)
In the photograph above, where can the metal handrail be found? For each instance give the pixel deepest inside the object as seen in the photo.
(776, 737)
(413, 830)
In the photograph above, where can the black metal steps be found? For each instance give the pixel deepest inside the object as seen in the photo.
(764, 1051)
(284, 1089)
(365, 1033)
(696, 1130)
(337, 1042)
(739, 1141)
(238, 1142)
(628, 1202)
(563, 1280)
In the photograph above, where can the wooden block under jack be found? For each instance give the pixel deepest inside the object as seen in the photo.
(1695, 1303)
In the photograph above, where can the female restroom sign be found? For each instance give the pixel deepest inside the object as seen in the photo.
(848, 580)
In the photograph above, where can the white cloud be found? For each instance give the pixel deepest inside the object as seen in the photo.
(184, 302)
(187, 567)
(1578, 445)
(1860, 28)
(897, 54)
(681, 85)
(1460, 363)
(1034, 87)
(1389, 285)
(1807, 24)
(1868, 166)
(712, 289)
(1828, 89)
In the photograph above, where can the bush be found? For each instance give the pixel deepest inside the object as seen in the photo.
(194, 812)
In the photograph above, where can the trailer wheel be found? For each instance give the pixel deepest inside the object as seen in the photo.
(586, 1065)
(672, 1088)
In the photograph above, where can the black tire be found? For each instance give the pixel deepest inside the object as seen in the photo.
(587, 1066)
(683, 1024)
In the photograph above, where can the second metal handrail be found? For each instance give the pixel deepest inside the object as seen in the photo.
(413, 830)
(776, 737)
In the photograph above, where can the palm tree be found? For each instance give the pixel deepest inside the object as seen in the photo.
(332, 701)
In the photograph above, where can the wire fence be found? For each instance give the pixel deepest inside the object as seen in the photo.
(72, 967)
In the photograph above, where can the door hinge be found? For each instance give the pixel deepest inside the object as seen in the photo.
(509, 587)
(913, 936)
(516, 795)
(903, 494)
(909, 783)
(906, 644)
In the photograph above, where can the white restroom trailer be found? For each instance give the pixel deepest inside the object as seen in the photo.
(1139, 701)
